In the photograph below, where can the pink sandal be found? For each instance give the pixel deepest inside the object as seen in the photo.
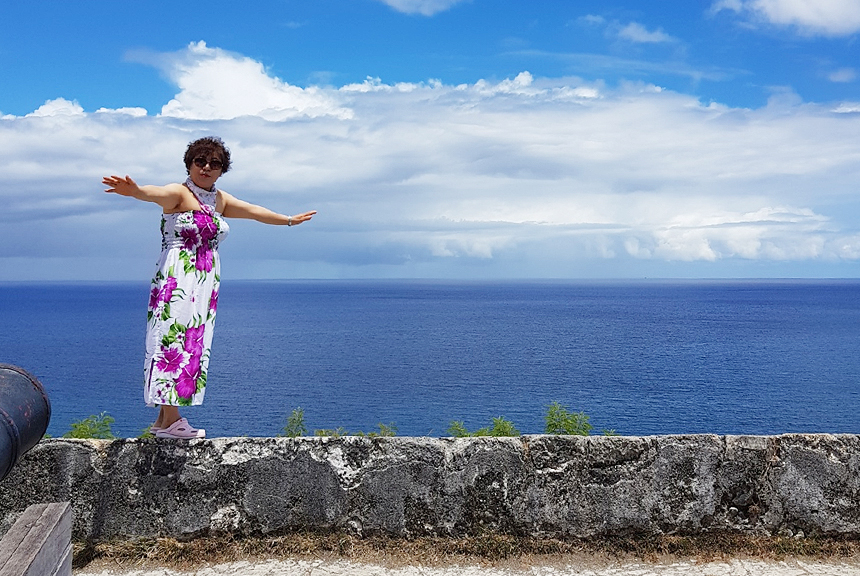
(180, 429)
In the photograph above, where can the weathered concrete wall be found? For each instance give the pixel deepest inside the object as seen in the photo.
(533, 485)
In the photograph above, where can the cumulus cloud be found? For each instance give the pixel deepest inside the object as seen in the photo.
(58, 107)
(815, 18)
(423, 7)
(490, 177)
(217, 85)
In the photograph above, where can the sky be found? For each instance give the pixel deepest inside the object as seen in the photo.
(452, 139)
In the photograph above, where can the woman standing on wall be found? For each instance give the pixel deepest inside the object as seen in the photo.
(184, 295)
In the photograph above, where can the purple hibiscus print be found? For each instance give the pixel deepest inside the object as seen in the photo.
(153, 299)
(194, 341)
(190, 237)
(171, 359)
(213, 301)
(205, 225)
(204, 259)
(186, 383)
(166, 292)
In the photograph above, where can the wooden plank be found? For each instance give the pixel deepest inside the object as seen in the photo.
(56, 527)
(57, 553)
(64, 565)
(46, 545)
(18, 532)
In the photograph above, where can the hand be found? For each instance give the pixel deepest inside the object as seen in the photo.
(122, 186)
(304, 217)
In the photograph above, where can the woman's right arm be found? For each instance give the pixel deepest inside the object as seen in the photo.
(168, 197)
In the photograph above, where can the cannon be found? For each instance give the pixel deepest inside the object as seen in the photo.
(24, 415)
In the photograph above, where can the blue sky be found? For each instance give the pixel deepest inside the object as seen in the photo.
(442, 138)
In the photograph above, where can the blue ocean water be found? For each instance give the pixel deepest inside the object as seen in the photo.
(726, 357)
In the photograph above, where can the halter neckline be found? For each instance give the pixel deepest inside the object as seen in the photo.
(207, 198)
(198, 190)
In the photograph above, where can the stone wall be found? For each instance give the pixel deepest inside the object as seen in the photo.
(532, 485)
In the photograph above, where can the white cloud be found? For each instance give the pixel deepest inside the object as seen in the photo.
(423, 7)
(58, 107)
(848, 108)
(635, 32)
(735, 5)
(130, 111)
(810, 17)
(767, 233)
(630, 32)
(592, 20)
(217, 85)
(524, 173)
(843, 75)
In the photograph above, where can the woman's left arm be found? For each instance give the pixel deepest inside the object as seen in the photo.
(235, 208)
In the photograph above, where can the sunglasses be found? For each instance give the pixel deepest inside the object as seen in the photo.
(202, 162)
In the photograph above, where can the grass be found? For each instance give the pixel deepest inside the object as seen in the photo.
(559, 420)
(430, 551)
(501, 428)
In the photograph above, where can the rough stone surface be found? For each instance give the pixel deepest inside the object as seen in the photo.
(531, 485)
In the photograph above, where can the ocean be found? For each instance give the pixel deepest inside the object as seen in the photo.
(638, 357)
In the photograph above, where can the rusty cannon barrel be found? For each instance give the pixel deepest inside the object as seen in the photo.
(24, 415)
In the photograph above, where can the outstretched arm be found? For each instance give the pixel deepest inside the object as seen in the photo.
(235, 208)
(168, 197)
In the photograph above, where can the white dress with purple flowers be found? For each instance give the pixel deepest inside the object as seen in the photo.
(182, 303)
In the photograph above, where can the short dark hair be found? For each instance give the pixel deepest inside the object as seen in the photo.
(206, 147)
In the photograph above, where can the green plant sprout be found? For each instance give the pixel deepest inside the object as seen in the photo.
(296, 424)
(92, 427)
(501, 427)
(560, 420)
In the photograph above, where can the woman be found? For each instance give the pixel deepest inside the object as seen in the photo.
(184, 295)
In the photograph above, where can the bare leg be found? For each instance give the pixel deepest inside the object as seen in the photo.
(167, 415)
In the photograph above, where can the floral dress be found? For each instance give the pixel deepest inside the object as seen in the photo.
(182, 303)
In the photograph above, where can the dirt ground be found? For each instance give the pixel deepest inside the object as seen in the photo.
(336, 554)
(570, 566)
